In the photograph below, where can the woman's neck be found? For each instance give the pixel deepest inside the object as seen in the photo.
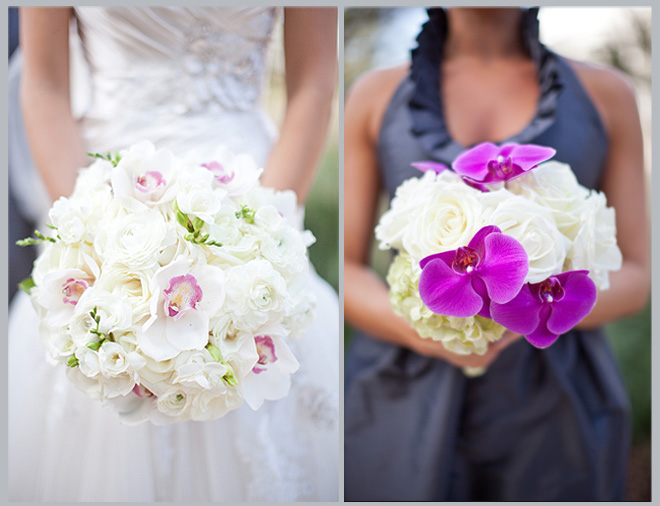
(484, 33)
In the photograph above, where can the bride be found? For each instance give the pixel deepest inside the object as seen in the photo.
(182, 78)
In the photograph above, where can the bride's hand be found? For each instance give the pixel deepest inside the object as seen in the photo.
(436, 349)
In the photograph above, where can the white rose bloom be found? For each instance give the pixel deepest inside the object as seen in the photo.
(553, 185)
(595, 247)
(114, 313)
(444, 220)
(532, 226)
(135, 239)
(256, 293)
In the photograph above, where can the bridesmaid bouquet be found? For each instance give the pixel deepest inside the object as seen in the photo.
(501, 241)
(169, 287)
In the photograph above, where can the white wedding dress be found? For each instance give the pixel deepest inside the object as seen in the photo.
(183, 78)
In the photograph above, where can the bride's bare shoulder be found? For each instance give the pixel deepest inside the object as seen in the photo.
(370, 94)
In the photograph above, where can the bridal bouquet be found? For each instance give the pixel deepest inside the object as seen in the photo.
(501, 241)
(170, 286)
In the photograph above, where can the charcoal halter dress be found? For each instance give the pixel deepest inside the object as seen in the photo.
(548, 425)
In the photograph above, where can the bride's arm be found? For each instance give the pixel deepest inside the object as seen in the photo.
(366, 302)
(310, 48)
(53, 136)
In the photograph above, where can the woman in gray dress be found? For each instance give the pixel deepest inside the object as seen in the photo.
(547, 424)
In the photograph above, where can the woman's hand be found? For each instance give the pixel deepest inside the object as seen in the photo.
(436, 349)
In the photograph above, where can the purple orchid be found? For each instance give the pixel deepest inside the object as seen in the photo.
(427, 166)
(462, 282)
(487, 163)
(542, 311)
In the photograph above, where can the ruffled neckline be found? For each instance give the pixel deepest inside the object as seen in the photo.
(425, 105)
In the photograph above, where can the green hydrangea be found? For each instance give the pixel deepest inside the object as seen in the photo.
(459, 335)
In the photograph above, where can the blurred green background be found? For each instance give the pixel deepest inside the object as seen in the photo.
(616, 37)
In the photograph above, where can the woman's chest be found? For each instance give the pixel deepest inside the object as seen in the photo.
(488, 102)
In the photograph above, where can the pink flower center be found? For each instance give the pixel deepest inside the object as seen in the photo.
(182, 295)
(465, 261)
(550, 290)
(221, 174)
(501, 167)
(266, 351)
(142, 392)
(150, 181)
(72, 289)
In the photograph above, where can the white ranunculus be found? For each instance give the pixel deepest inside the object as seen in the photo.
(129, 284)
(443, 220)
(135, 239)
(69, 219)
(532, 226)
(174, 402)
(595, 247)
(553, 185)
(256, 292)
(114, 312)
(285, 248)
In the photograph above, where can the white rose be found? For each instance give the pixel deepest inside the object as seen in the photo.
(114, 315)
(135, 239)
(256, 293)
(553, 185)
(595, 247)
(532, 226)
(445, 219)
(394, 222)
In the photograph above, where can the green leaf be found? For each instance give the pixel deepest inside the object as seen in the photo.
(27, 284)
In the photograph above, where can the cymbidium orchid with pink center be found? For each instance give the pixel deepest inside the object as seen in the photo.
(144, 177)
(487, 163)
(270, 378)
(61, 291)
(543, 311)
(184, 298)
(462, 282)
